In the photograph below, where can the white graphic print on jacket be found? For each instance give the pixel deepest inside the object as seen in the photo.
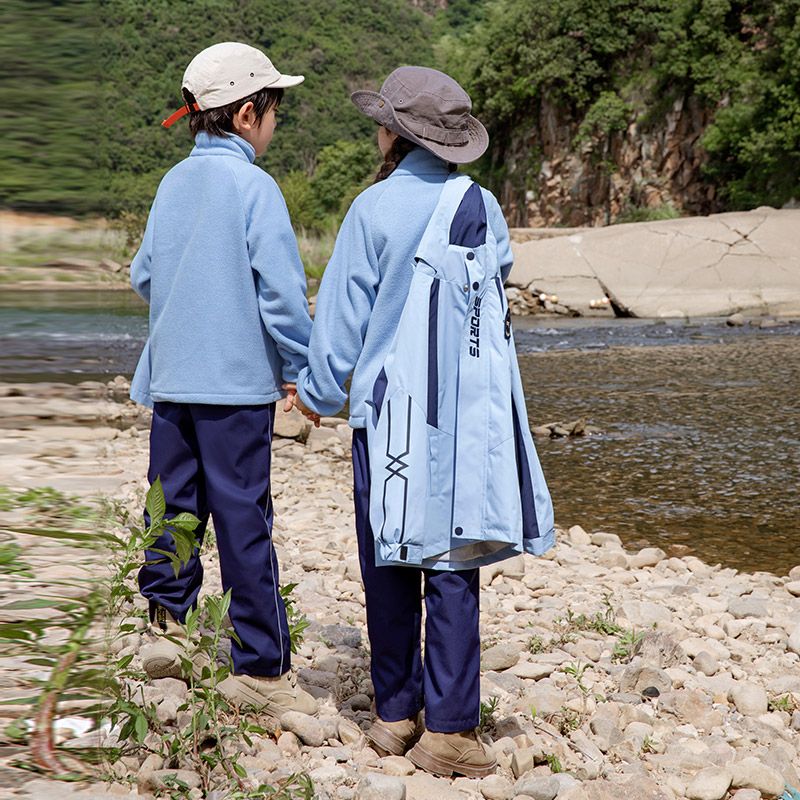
(455, 479)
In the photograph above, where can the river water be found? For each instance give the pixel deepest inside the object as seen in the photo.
(700, 450)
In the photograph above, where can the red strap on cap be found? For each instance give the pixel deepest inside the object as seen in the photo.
(181, 112)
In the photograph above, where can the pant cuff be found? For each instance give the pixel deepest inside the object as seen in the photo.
(396, 715)
(451, 725)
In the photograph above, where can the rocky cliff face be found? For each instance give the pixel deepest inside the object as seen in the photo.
(552, 180)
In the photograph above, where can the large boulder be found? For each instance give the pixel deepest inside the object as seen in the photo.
(690, 267)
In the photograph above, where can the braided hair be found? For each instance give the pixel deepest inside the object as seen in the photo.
(397, 152)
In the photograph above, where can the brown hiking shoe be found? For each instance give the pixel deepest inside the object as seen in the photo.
(448, 753)
(394, 738)
(272, 696)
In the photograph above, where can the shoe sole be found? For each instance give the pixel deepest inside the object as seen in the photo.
(392, 745)
(444, 767)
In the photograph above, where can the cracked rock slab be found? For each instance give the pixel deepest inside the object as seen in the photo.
(691, 267)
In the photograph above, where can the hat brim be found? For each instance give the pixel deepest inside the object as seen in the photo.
(376, 106)
(287, 81)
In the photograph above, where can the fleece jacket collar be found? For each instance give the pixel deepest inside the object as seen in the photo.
(421, 162)
(230, 145)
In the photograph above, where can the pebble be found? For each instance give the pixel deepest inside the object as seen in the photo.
(706, 663)
(742, 607)
(709, 784)
(537, 787)
(496, 787)
(500, 657)
(374, 786)
(397, 765)
(749, 699)
(750, 773)
(289, 744)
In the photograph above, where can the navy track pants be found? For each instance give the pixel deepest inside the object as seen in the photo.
(448, 684)
(215, 460)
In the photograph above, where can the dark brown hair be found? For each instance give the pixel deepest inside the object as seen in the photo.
(219, 121)
(397, 152)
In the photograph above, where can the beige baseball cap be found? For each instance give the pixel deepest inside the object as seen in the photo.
(226, 72)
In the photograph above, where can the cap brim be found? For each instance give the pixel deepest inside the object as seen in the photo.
(374, 105)
(286, 81)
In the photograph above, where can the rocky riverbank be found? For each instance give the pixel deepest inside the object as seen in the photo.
(605, 673)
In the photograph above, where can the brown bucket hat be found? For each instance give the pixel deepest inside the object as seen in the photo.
(430, 109)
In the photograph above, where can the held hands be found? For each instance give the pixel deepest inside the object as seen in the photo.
(292, 400)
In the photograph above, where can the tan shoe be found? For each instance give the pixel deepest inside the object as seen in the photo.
(272, 696)
(394, 738)
(161, 658)
(448, 753)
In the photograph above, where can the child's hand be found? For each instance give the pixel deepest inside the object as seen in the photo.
(291, 394)
(292, 399)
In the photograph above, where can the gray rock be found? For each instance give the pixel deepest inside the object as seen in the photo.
(500, 656)
(538, 787)
(289, 744)
(496, 787)
(793, 587)
(340, 635)
(706, 663)
(638, 677)
(647, 557)
(602, 539)
(794, 641)
(328, 774)
(374, 786)
(746, 794)
(606, 733)
(735, 320)
(644, 614)
(349, 732)
(397, 765)
(522, 761)
(611, 557)
(578, 535)
(749, 699)
(170, 687)
(709, 784)
(741, 607)
(306, 728)
(750, 773)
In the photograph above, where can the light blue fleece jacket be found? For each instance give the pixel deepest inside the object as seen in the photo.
(220, 269)
(367, 280)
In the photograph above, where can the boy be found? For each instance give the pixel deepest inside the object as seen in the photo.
(229, 330)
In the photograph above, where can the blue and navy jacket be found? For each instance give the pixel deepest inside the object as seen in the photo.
(220, 268)
(455, 480)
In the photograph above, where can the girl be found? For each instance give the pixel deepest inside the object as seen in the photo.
(412, 305)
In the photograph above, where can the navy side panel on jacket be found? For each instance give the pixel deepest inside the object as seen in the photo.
(530, 525)
(468, 228)
(433, 355)
(379, 391)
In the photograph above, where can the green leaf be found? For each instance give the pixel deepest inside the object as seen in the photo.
(37, 602)
(155, 504)
(141, 728)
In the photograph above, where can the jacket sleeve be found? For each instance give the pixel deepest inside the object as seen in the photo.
(280, 277)
(505, 257)
(140, 266)
(344, 304)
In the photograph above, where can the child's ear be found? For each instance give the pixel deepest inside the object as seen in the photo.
(245, 118)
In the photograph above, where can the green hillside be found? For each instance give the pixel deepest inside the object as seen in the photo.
(87, 83)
